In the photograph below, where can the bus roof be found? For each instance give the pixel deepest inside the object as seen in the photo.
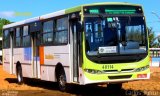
(50, 15)
(63, 12)
(112, 3)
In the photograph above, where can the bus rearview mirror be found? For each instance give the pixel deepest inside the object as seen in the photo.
(80, 27)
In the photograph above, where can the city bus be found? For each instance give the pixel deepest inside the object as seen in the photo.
(99, 43)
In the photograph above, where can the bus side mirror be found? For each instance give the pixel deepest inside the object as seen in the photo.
(80, 26)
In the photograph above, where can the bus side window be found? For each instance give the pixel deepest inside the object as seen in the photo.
(47, 32)
(6, 39)
(61, 31)
(18, 37)
(26, 41)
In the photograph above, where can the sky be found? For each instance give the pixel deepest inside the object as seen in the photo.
(25, 9)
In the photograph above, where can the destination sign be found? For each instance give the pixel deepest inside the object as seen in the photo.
(112, 10)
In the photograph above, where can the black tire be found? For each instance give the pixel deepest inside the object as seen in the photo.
(61, 80)
(19, 75)
(116, 87)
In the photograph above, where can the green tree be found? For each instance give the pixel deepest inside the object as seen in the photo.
(3, 22)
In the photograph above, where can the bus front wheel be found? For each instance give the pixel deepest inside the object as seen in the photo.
(19, 75)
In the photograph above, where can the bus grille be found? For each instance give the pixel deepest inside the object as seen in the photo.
(127, 70)
(116, 71)
(120, 77)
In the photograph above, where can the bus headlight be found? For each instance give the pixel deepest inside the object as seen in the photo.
(142, 68)
(93, 71)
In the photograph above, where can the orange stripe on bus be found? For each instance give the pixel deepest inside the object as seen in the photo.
(41, 53)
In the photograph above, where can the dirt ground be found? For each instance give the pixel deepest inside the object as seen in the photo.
(33, 87)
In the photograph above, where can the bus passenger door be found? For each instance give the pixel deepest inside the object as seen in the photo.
(35, 55)
(74, 49)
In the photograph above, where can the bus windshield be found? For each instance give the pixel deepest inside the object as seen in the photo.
(115, 35)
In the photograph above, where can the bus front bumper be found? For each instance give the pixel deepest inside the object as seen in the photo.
(89, 78)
